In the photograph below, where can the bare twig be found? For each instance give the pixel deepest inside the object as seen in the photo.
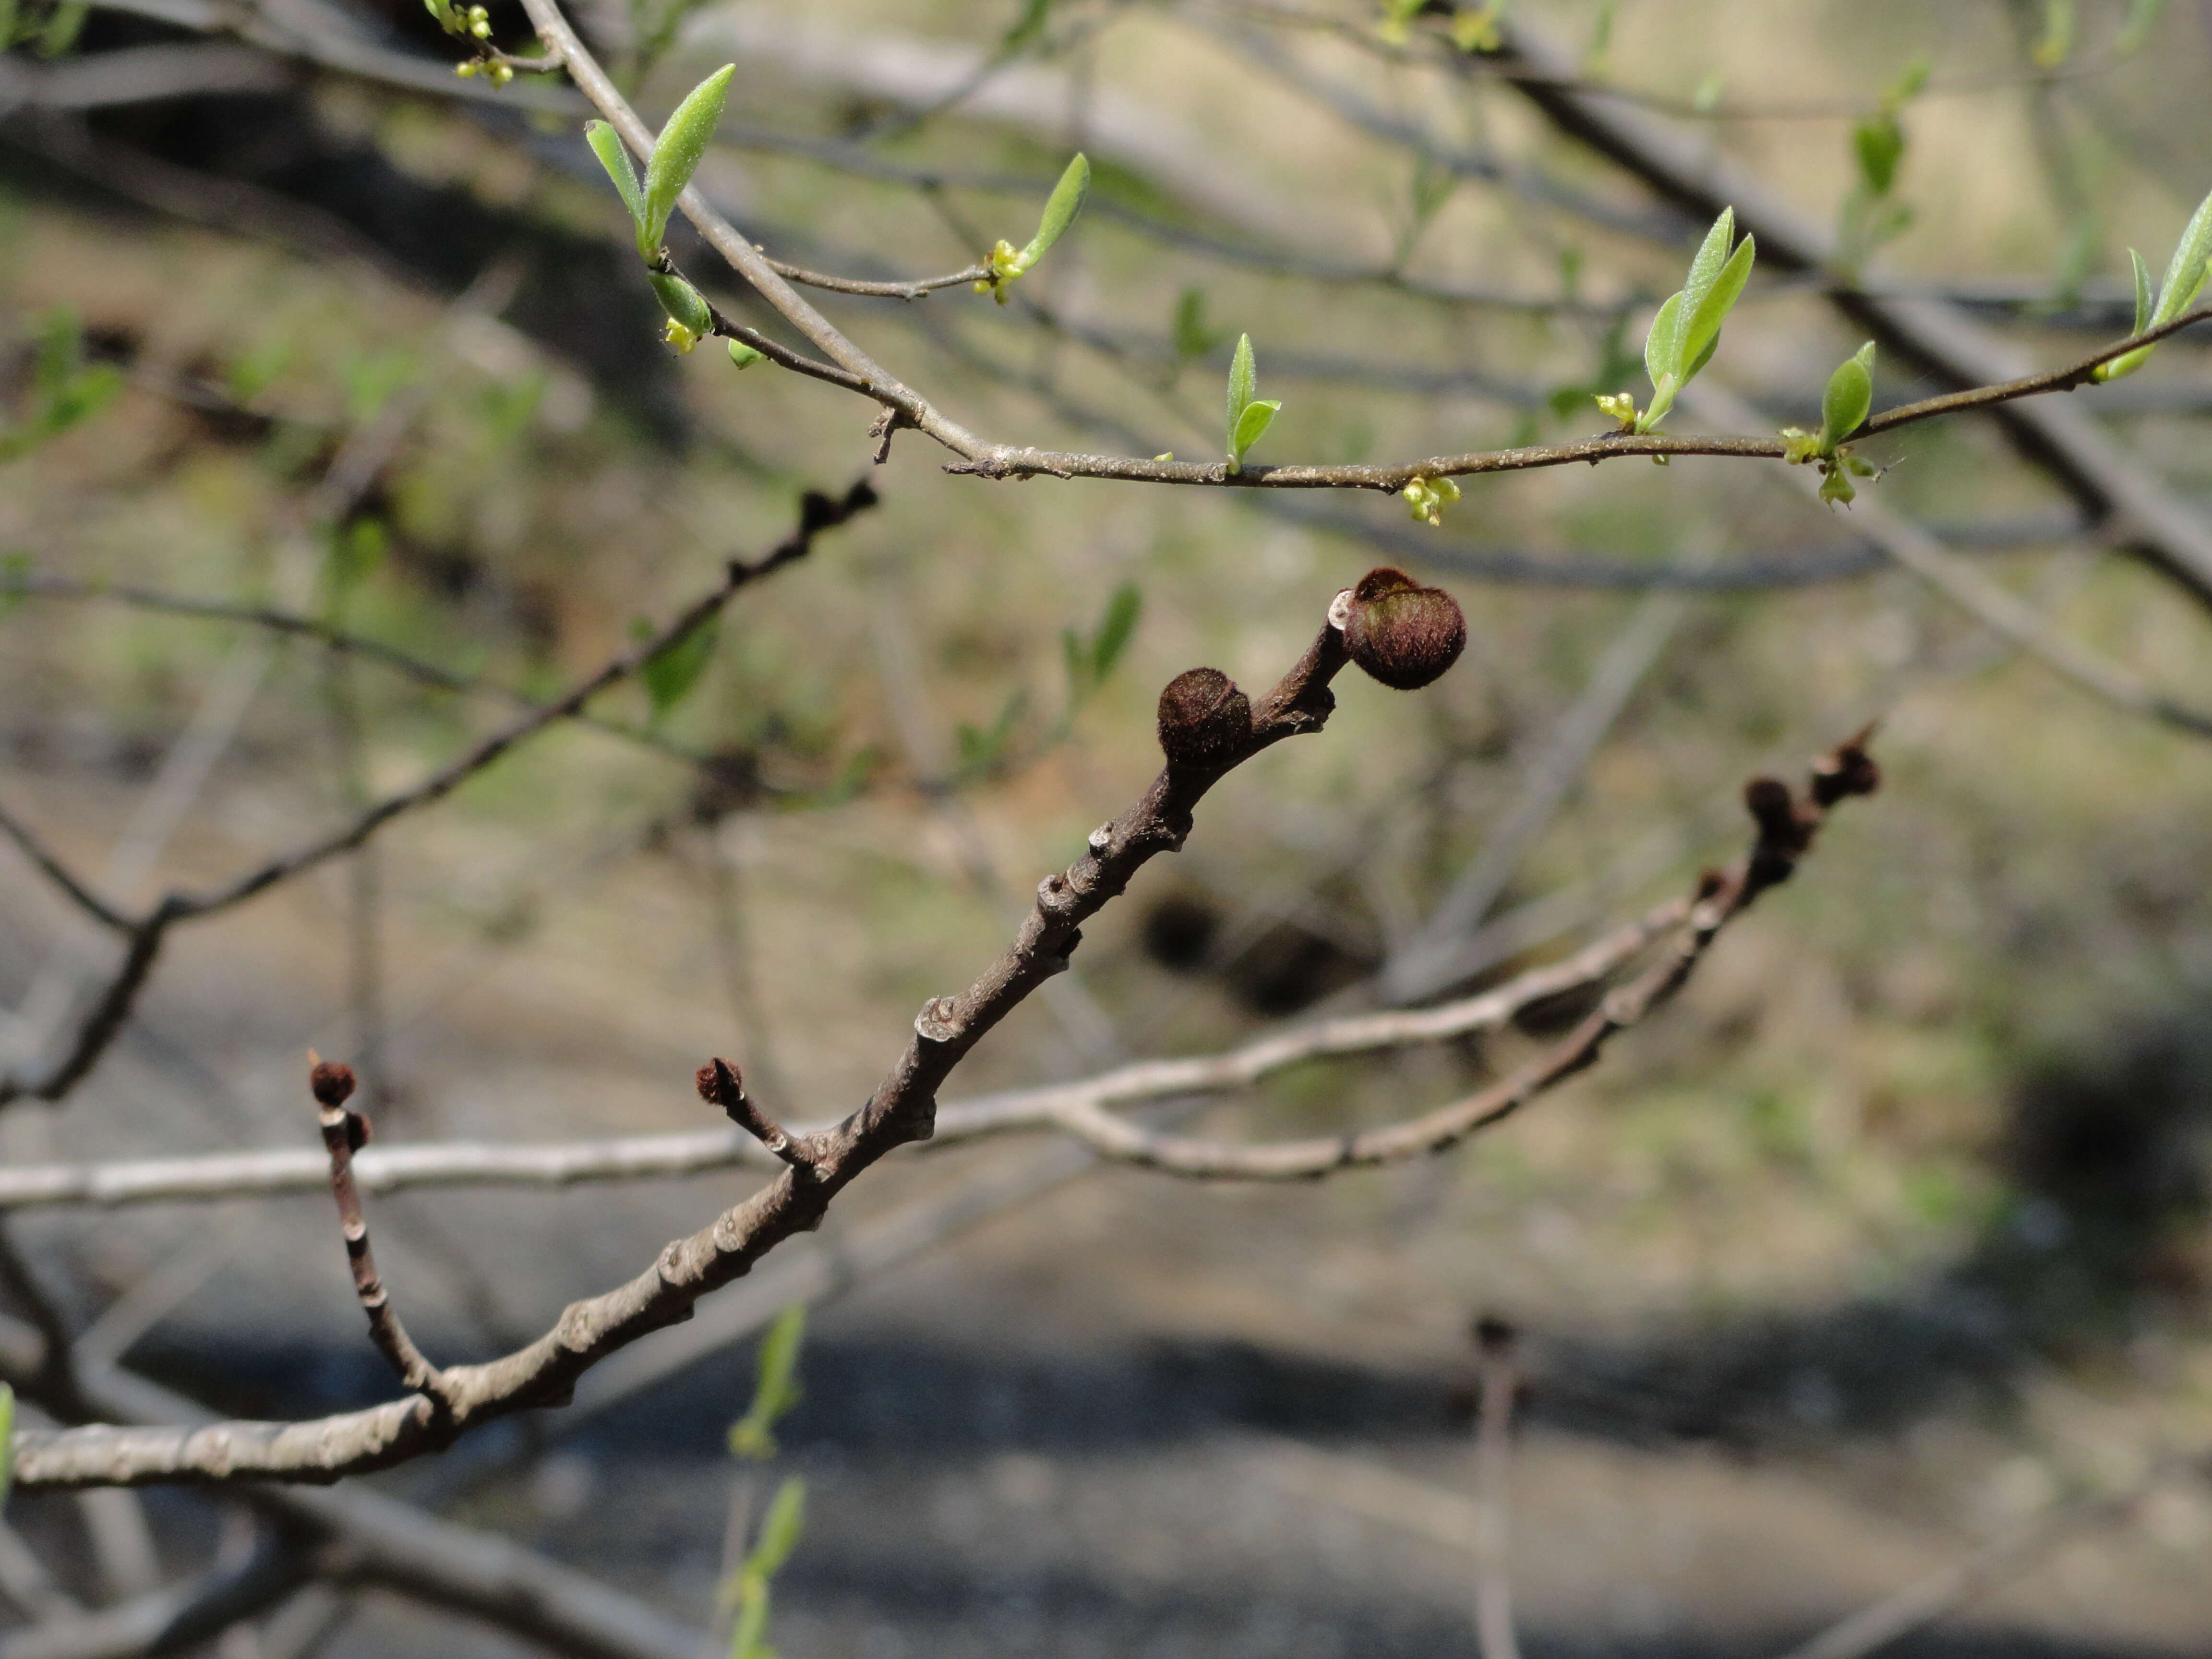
(100, 1022)
(2005, 1558)
(344, 1133)
(51, 866)
(1498, 1380)
(393, 1168)
(1937, 337)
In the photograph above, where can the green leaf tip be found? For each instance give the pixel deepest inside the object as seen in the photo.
(677, 154)
(1249, 414)
(1687, 328)
(606, 143)
(1849, 396)
(1060, 210)
(2185, 275)
(775, 1387)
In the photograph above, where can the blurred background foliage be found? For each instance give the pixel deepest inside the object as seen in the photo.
(1923, 1152)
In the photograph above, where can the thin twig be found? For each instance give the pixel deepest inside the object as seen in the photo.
(344, 1132)
(218, 1176)
(1497, 1381)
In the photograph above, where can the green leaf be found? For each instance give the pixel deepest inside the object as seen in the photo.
(2142, 15)
(1244, 381)
(1702, 331)
(1849, 395)
(1911, 83)
(1116, 630)
(672, 672)
(1705, 268)
(1252, 426)
(775, 1387)
(606, 143)
(1060, 210)
(2186, 270)
(779, 1533)
(746, 1640)
(2143, 300)
(1879, 144)
(1192, 337)
(2057, 44)
(1663, 346)
(1028, 28)
(982, 748)
(63, 27)
(677, 152)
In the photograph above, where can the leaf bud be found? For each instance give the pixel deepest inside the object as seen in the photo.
(1205, 721)
(331, 1081)
(1403, 634)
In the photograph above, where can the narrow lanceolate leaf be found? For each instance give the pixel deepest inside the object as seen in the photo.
(669, 675)
(1060, 210)
(2185, 272)
(1243, 380)
(1713, 255)
(606, 143)
(1701, 330)
(1663, 346)
(1849, 395)
(1252, 425)
(2143, 300)
(779, 1534)
(677, 152)
(1116, 629)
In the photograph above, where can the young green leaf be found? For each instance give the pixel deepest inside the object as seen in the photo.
(2185, 272)
(64, 25)
(779, 1533)
(1705, 268)
(2057, 42)
(1252, 426)
(671, 673)
(775, 1387)
(1663, 346)
(1243, 380)
(2143, 298)
(606, 143)
(1701, 331)
(677, 153)
(746, 1640)
(1879, 144)
(7, 1439)
(1116, 629)
(1193, 338)
(2142, 15)
(1060, 210)
(1849, 395)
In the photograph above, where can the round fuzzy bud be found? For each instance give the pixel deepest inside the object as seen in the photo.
(331, 1083)
(1205, 721)
(1403, 634)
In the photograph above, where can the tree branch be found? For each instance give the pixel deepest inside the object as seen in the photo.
(636, 1157)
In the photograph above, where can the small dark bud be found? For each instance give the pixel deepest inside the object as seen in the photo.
(359, 1131)
(1205, 721)
(1774, 811)
(717, 1082)
(331, 1083)
(1495, 1337)
(1403, 634)
(1849, 770)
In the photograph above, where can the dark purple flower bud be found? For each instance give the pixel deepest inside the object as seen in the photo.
(331, 1081)
(1205, 721)
(1403, 634)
